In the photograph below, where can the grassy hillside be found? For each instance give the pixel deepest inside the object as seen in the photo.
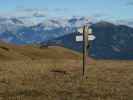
(47, 80)
(13, 52)
(55, 74)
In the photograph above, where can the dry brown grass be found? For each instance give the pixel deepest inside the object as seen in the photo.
(35, 80)
(14, 52)
(44, 79)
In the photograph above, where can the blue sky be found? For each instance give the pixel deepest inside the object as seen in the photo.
(102, 9)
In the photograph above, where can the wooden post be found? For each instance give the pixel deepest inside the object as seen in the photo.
(85, 44)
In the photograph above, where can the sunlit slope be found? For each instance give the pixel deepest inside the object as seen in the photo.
(7, 52)
(13, 52)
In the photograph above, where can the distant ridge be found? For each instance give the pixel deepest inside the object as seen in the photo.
(20, 31)
(112, 41)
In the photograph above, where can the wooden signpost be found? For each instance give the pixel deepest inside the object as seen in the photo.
(85, 37)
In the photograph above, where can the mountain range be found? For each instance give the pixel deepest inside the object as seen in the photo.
(112, 40)
(21, 31)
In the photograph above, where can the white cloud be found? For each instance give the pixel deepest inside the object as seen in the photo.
(24, 13)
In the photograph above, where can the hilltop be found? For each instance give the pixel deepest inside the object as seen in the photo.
(23, 52)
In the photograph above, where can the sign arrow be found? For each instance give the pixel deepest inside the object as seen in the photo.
(79, 38)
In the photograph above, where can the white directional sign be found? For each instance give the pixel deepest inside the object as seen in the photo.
(91, 37)
(80, 30)
(90, 31)
(79, 38)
